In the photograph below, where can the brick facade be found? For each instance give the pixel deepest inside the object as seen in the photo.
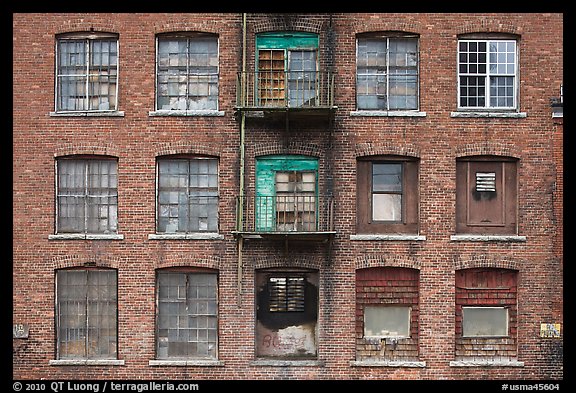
(342, 264)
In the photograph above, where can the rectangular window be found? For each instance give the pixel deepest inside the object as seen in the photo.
(486, 196)
(86, 314)
(386, 192)
(386, 321)
(487, 74)
(387, 73)
(484, 322)
(87, 73)
(87, 196)
(187, 319)
(187, 73)
(387, 195)
(296, 201)
(187, 195)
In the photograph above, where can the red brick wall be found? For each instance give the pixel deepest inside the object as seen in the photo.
(136, 139)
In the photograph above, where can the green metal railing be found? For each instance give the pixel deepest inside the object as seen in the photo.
(285, 89)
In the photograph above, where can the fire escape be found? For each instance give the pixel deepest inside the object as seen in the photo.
(285, 88)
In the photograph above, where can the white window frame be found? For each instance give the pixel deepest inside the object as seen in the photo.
(487, 76)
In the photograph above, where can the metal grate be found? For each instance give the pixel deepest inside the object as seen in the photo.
(286, 294)
(486, 181)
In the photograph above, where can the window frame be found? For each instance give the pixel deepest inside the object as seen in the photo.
(383, 306)
(58, 314)
(88, 38)
(506, 178)
(189, 37)
(287, 334)
(187, 272)
(189, 159)
(388, 36)
(86, 160)
(489, 38)
(289, 43)
(502, 308)
(410, 200)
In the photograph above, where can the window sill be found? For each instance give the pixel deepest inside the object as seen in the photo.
(387, 363)
(203, 112)
(486, 363)
(86, 236)
(186, 363)
(185, 236)
(488, 114)
(86, 362)
(391, 237)
(488, 238)
(88, 114)
(284, 363)
(388, 113)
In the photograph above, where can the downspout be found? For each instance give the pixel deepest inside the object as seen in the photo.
(240, 221)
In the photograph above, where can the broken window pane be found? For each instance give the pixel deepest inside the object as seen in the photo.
(187, 73)
(387, 73)
(187, 195)
(187, 315)
(86, 308)
(86, 74)
(87, 196)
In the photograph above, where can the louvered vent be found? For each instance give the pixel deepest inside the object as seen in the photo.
(485, 181)
(286, 294)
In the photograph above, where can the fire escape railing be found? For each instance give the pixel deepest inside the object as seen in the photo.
(283, 214)
(285, 89)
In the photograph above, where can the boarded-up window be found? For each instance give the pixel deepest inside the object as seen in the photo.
(187, 320)
(387, 307)
(87, 196)
(486, 312)
(187, 72)
(387, 195)
(187, 195)
(287, 313)
(486, 195)
(287, 294)
(87, 72)
(86, 314)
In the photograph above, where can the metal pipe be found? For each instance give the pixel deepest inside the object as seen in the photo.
(242, 163)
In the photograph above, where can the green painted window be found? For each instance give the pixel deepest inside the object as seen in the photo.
(286, 193)
(287, 68)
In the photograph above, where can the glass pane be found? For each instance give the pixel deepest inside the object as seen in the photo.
(386, 321)
(484, 322)
(387, 177)
(386, 207)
